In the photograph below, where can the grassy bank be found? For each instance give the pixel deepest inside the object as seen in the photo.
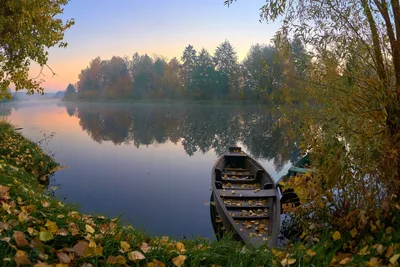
(36, 228)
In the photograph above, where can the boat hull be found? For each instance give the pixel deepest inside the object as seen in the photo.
(246, 199)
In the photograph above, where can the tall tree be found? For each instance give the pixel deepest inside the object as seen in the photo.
(188, 62)
(142, 71)
(70, 89)
(116, 81)
(28, 29)
(70, 92)
(90, 80)
(262, 70)
(159, 69)
(205, 77)
(170, 80)
(226, 62)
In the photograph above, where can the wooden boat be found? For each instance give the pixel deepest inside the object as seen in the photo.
(288, 195)
(246, 198)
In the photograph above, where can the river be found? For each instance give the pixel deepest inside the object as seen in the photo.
(149, 164)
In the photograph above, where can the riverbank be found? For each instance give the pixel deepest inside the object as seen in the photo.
(36, 228)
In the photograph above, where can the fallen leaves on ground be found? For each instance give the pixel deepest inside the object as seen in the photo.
(180, 247)
(89, 229)
(125, 246)
(21, 258)
(135, 256)
(145, 247)
(20, 239)
(63, 257)
(116, 260)
(336, 236)
(45, 236)
(155, 263)
(179, 260)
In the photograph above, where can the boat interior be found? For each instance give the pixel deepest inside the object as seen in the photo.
(248, 193)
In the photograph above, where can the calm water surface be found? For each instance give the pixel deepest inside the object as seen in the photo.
(149, 163)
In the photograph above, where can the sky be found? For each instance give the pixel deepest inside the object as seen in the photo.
(155, 27)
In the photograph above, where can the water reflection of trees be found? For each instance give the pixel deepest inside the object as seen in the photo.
(197, 128)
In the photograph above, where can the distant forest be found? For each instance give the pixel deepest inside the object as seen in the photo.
(197, 75)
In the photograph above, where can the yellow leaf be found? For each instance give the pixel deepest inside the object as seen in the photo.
(92, 244)
(42, 264)
(180, 247)
(98, 251)
(164, 239)
(373, 227)
(21, 258)
(291, 261)
(45, 236)
(19, 199)
(116, 260)
(276, 252)
(22, 217)
(62, 265)
(179, 260)
(73, 228)
(51, 226)
(92, 251)
(6, 207)
(394, 258)
(373, 262)
(311, 252)
(20, 239)
(63, 257)
(89, 229)
(336, 236)
(144, 247)
(345, 261)
(155, 263)
(45, 204)
(125, 246)
(58, 168)
(28, 209)
(364, 251)
(135, 256)
(353, 232)
(32, 231)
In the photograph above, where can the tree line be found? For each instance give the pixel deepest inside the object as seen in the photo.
(198, 75)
